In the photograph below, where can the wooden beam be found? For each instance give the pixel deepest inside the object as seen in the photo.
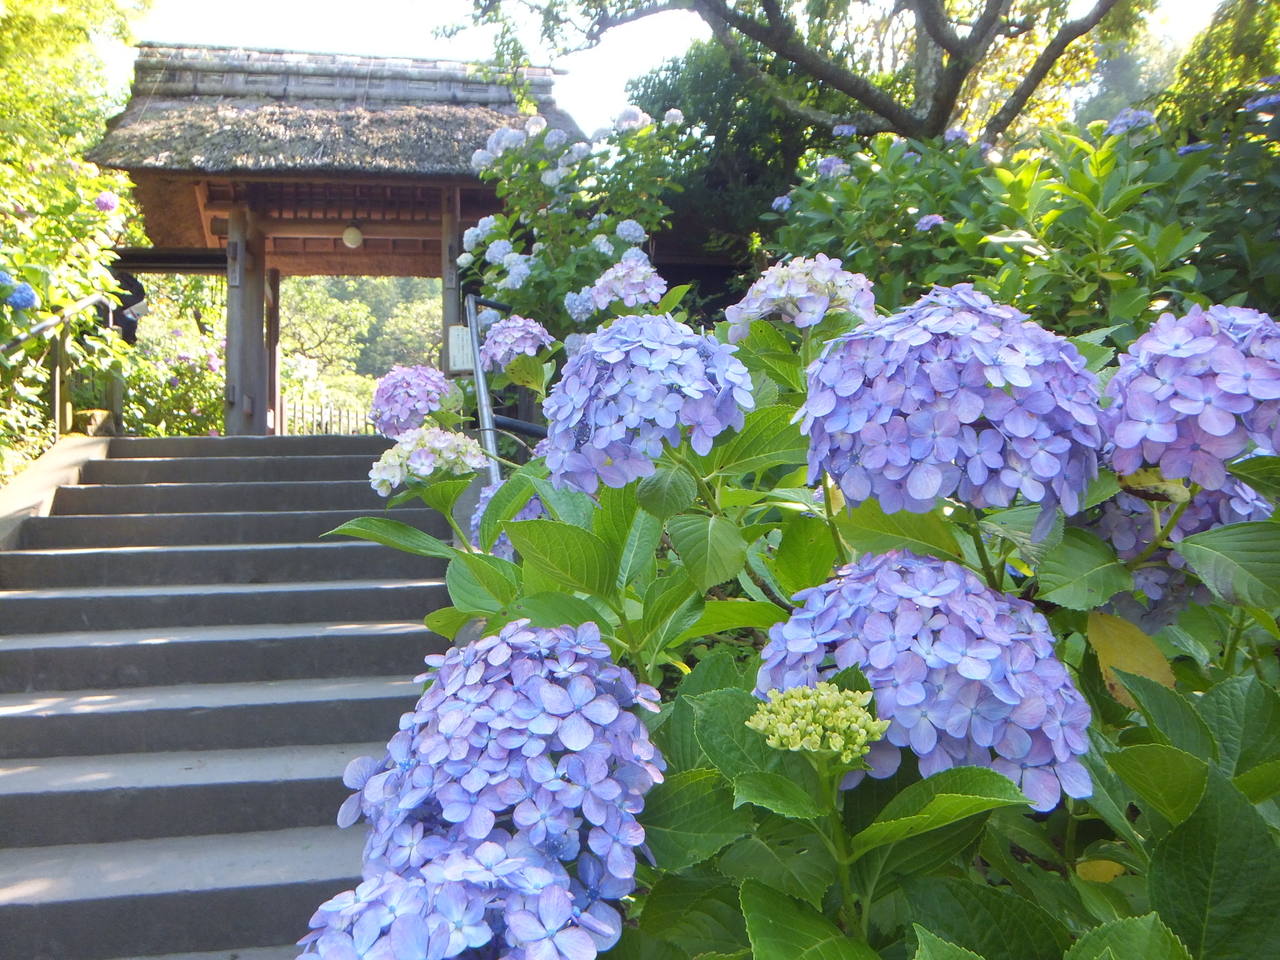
(450, 247)
(332, 229)
(275, 402)
(245, 396)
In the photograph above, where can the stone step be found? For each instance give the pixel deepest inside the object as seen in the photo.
(285, 526)
(198, 894)
(310, 446)
(213, 716)
(224, 563)
(101, 659)
(216, 497)
(288, 951)
(225, 469)
(61, 800)
(187, 605)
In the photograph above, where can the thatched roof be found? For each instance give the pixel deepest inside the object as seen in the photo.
(221, 110)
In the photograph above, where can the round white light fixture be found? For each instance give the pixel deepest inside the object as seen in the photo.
(352, 237)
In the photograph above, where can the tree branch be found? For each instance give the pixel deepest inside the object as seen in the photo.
(782, 40)
(607, 21)
(1067, 33)
(934, 18)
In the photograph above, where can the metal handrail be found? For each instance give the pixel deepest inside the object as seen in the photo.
(484, 402)
(61, 316)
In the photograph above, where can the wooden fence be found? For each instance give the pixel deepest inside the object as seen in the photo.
(313, 418)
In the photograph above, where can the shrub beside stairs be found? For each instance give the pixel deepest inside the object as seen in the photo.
(185, 669)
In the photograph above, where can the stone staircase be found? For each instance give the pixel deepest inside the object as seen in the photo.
(185, 669)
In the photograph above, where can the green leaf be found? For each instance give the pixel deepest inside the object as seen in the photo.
(699, 915)
(477, 581)
(627, 531)
(690, 817)
(721, 615)
(1261, 473)
(720, 724)
(869, 529)
(1213, 879)
(443, 494)
(805, 555)
(1170, 780)
(1239, 562)
(717, 670)
(767, 438)
(980, 918)
(783, 855)
(526, 371)
(668, 491)
(555, 609)
(775, 792)
(508, 500)
(671, 605)
(1120, 645)
(671, 299)
(782, 929)
(711, 548)
(1261, 782)
(1243, 714)
(1082, 572)
(565, 553)
(447, 621)
(930, 947)
(1170, 717)
(1142, 938)
(567, 506)
(393, 533)
(1016, 525)
(936, 802)
(635, 944)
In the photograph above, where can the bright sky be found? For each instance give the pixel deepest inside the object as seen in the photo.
(592, 91)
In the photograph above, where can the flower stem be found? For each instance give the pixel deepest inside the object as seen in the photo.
(842, 549)
(984, 559)
(1162, 533)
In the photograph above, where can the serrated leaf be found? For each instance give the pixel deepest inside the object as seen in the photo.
(393, 533)
(1017, 525)
(1122, 646)
(1170, 716)
(1243, 715)
(447, 621)
(1261, 782)
(667, 491)
(711, 548)
(1170, 780)
(931, 947)
(869, 529)
(782, 929)
(715, 671)
(1261, 473)
(721, 615)
(1144, 937)
(554, 610)
(697, 914)
(720, 724)
(508, 500)
(690, 817)
(1213, 878)
(477, 581)
(1082, 572)
(1239, 562)
(805, 555)
(671, 605)
(441, 495)
(774, 792)
(571, 556)
(980, 918)
(567, 506)
(935, 802)
(767, 438)
(788, 858)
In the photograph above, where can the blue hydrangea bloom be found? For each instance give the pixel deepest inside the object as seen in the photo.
(929, 221)
(832, 167)
(954, 396)
(1195, 392)
(580, 306)
(1129, 119)
(405, 397)
(633, 386)
(502, 818)
(632, 281)
(502, 547)
(23, 297)
(497, 251)
(802, 291)
(1161, 587)
(964, 674)
(512, 337)
(844, 130)
(629, 231)
(781, 204)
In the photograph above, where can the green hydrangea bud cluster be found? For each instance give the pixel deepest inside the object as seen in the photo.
(820, 719)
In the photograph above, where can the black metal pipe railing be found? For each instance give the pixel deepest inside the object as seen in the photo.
(61, 316)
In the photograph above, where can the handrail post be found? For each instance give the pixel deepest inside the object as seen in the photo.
(484, 403)
(62, 412)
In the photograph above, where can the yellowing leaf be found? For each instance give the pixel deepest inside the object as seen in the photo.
(1099, 871)
(1121, 645)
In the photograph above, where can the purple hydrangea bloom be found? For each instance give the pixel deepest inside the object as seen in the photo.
(580, 305)
(844, 130)
(954, 396)
(502, 547)
(1161, 588)
(1262, 102)
(781, 204)
(929, 221)
(1195, 392)
(510, 338)
(106, 201)
(802, 292)
(490, 810)
(632, 280)
(832, 167)
(405, 397)
(23, 297)
(964, 674)
(957, 135)
(1129, 119)
(1193, 148)
(633, 386)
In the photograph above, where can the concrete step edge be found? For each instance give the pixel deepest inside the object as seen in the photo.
(186, 589)
(216, 634)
